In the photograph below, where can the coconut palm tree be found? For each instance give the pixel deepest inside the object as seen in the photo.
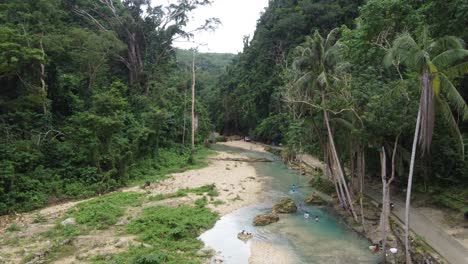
(433, 61)
(317, 65)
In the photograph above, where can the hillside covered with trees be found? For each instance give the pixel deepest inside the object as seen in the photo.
(368, 60)
(93, 96)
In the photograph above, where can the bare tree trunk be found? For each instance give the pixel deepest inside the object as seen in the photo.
(43, 84)
(193, 103)
(352, 165)
(185, 107)
(337, 161)
(408, 188)
(361, 172)
(383, 217)
(385, 222)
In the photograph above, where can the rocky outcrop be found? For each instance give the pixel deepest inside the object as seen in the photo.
(284, 206)
(265, 219)
(314, 199)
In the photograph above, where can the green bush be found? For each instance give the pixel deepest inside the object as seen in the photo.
(171, 232)
(105, 211)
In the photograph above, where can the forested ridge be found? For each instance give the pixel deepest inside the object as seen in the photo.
(93, 96)
(364, 57)
(375, 88)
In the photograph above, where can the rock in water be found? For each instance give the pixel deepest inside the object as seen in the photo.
(315, 199)
(265, 219)
(285, 205)
(68, 221)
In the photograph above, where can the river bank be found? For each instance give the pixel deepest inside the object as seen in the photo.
(30, 236)
(423, 253)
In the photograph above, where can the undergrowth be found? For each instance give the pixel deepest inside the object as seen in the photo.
(169, 235)
(210, 190)
(168, 161)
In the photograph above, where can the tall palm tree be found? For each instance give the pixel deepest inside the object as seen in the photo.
(316, 66)
(432, 61)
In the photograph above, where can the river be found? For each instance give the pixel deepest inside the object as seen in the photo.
(326, 241)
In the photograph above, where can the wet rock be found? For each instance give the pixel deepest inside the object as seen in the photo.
(314, 199)
(68, 221)
(265, 219)
(285, 205)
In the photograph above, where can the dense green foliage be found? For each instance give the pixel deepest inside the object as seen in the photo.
(171, 234)
(272, 90)
(90, 92)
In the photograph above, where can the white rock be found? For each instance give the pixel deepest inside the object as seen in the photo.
(68, 221)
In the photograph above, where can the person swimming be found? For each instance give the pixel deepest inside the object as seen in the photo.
(306, 215)
(293, 188)
(317, 218)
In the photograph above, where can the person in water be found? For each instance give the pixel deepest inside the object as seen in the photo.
(306, 215)
(293, 188)
(317, 218)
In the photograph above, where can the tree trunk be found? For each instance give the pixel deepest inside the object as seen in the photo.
(43, 84)
(336, 181)
(383, 217)
(361, 172)
(193, 103)
(408, 188)
(337, 161)
(352, 165)
(185, 107)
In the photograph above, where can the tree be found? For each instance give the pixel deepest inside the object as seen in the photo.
(318, 66)
(432, 60)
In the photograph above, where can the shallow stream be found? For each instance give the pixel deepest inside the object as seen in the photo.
(326, 241)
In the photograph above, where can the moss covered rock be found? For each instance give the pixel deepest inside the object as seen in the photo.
(265, 219)
(284, 206)
(314, 199)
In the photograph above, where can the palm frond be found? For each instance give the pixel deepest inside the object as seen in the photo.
(426, 105)
(332, 37)
(453, 96)
(458, 70)
(450, 58)
(322, 79)
(446, 43)
(403, 49)
(444, 109)
(304, 80)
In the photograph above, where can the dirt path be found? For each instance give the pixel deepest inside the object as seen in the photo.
(438, 238)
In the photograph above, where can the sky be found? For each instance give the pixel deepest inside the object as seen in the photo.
(238, 18)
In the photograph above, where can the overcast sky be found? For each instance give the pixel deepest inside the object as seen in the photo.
(238, 18)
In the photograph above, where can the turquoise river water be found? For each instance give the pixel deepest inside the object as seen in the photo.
(323, 242)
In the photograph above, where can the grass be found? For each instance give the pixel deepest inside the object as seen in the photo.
(104, 211)
(13, 228)
(166, 162)
(453, 198)
(38, 218)
(210, 190)
(217, 202)
(169, 235)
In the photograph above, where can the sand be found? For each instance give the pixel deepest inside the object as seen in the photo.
(269, 253)
(245, 145)
(237, 182)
